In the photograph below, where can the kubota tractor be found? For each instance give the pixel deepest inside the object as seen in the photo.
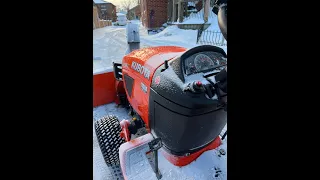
(178, 101)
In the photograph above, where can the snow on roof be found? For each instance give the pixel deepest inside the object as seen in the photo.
(100, 1)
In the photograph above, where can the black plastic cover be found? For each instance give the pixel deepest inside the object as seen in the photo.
(128, 81)
(184, 130)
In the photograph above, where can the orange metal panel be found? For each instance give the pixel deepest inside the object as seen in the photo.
(150, 58)
(185, 160)
(103, 88)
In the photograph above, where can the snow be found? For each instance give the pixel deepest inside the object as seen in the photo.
(173, 36)
(197, 18)
(207, 166)
(120, 14)
(100, 1)
(213, 27)
(191, 4)
(110, 43)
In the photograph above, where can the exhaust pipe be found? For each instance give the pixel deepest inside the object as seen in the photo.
(133, 37)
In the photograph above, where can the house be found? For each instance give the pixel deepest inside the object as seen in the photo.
(106, 10)
(178, 9)
(153, 13)
(97, 22)
(134, 13)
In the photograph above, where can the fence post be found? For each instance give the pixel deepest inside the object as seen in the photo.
(200, 32)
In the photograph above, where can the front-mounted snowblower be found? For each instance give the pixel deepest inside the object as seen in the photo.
(177, 99)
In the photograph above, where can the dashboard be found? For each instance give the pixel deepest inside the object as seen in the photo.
(203, 62)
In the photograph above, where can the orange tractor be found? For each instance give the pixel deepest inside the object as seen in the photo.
(178, 101)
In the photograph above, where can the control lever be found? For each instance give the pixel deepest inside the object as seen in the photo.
(218, 93)
(195, 87)
(215, 85)
(154, 146)
(209, 92)
(221, 78)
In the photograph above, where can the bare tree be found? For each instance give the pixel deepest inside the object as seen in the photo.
(128, 4)
(136, 2)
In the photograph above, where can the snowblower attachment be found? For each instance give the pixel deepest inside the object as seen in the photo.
(133, 37)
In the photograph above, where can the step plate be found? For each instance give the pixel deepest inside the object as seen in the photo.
(135, 163)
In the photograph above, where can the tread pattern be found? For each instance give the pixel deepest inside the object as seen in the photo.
(108, 134)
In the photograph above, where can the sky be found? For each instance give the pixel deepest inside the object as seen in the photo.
(115, 2)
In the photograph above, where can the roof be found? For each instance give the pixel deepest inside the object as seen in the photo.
(137, 6)
(100, 1)
(132, 9)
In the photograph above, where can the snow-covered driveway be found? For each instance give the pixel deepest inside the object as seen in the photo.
(110, 43)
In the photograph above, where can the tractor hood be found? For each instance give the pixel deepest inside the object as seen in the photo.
(145, 61)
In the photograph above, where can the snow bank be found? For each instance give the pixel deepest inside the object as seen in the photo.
(197, 18)
(135, 21)
(173, 36)
(214, 25)
(120, 14)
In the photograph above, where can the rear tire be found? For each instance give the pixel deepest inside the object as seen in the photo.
(108, 134)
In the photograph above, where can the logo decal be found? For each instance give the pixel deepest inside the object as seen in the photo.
(157, 80)
(144, 88)
(141, 69)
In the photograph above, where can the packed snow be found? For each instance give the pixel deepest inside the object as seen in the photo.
(120, 14)
(210, 165)
(172, 36)
(110, 43)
